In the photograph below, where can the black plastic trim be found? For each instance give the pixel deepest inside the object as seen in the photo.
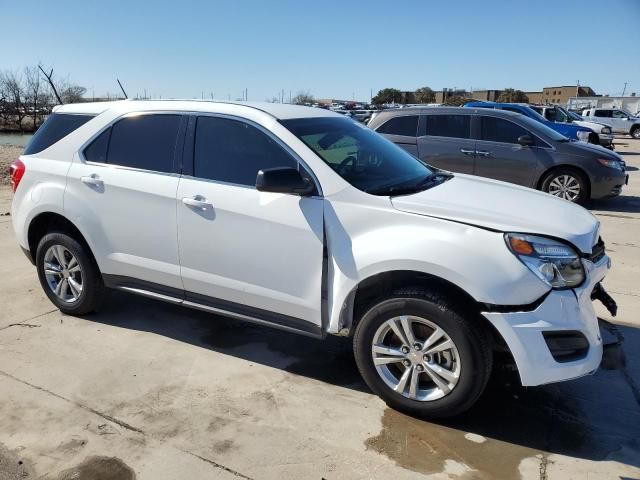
(27, 254)
(529, 307)
(274, 319)
(566, 345)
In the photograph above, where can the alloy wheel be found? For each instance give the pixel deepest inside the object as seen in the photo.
(63, 273)
(416, 358)
(566, 187)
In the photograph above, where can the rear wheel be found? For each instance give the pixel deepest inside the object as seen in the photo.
(68, 274)
(635, 133)
(568, 184)
(421, 355)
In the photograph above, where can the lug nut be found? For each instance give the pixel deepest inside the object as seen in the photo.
(420, 368)
(417, 346)
(405, 350)
(406, 363)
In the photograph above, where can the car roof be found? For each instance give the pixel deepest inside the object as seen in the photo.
(452, 110)
(281, 111)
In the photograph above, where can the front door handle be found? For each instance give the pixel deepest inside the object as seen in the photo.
(93, 180)
(483, 153)
(467, 152)
(197, 201)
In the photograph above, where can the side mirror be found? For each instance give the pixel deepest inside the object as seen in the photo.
(283, 180)
(526, 140)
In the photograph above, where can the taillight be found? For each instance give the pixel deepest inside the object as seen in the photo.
(16, 171)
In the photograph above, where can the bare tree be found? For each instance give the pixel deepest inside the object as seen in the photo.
(35, 96)
(302, 98)
(13, 91)
(72, 93)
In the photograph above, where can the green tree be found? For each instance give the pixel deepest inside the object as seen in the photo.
(387, 95)
(509, 95)
(425, 95)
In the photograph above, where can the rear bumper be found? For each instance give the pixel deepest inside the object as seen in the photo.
(561, 311)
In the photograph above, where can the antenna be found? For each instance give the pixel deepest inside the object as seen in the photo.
(122, 88)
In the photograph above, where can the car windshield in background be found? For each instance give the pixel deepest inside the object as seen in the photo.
(541, 127)
(363, 158)
(575, 116)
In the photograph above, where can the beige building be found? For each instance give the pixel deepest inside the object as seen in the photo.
(560, 95)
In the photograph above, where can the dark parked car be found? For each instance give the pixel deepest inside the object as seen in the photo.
(505, 146)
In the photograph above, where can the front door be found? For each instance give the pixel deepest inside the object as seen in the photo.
(255, 254)
(501, 157)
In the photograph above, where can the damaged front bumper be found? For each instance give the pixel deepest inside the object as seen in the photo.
(560, 339)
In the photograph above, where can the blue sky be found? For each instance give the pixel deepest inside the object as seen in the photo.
(337, 49)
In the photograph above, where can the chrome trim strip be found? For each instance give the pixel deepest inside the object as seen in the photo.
(147, 293)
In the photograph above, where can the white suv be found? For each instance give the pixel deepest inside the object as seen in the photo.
(304, 220)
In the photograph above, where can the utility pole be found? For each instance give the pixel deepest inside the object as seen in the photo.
(624, 90)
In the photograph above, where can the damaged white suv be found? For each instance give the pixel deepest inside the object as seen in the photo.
(304, 220)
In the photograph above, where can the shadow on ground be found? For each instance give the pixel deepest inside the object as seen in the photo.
(622, 203)
(595, 418)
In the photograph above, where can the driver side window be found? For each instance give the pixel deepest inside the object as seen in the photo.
(233, 152)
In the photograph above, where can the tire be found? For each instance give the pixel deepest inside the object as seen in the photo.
(473, 363)
(635, 133)
(84, 273)
(568, 177)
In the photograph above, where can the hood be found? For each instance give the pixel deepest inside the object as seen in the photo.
(504, 207)
(580, 148)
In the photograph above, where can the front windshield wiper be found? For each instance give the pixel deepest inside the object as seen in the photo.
(428, 182)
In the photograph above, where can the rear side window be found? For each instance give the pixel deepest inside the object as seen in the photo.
(457, 126)
(511, 109)
(498, 130)
(55, 128)
(602, 113)
(233, 152)
(147, 142)
(406, 125)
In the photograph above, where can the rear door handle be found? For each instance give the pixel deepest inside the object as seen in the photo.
(92, 179)
(197, 201)
(467, 152)
(483, 153)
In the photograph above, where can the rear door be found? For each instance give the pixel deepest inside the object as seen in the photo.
(121, 191)
(620, 121)
(402, 130)
(501, 157)
(445, 142)
(604, 116)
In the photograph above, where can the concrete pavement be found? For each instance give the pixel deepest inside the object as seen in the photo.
(151, 391)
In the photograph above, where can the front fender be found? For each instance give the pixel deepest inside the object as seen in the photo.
(365, 241)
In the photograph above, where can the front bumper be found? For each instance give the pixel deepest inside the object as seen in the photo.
(606, 140)
(609, 186)
(562, 310)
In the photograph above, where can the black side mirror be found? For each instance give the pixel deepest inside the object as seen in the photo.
(526, 140)
(283, 180)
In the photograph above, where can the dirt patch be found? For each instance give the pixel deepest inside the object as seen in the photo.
(8, 153)
(13, 466)
(98, 468)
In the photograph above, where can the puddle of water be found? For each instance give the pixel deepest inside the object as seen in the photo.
(99, 468)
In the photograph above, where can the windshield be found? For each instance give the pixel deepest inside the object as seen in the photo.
(575, 116)
(541, 127)
(363, 158)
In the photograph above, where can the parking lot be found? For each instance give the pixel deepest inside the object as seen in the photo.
(150, 390)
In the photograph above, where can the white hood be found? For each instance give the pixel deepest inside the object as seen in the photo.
(504, 207)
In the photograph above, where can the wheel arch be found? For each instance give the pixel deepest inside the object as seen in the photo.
(384, 283)
(46, 222)
(558, 167)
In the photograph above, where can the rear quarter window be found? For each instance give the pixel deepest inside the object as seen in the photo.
(406, 125)
(55, 128)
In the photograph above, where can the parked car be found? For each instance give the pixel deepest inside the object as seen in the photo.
(307, 221)
(619, 120)
(506, 146)
(568, 130)
(555, 113)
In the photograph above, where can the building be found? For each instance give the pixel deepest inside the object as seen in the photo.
(560, 95)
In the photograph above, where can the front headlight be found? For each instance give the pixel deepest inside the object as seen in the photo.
(582, 135)
(553, 262)
(606, 130)
(612, 163)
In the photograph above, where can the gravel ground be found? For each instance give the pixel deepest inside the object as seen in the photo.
(8, 153)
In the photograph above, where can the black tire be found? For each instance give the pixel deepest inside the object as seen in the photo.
(635, 133)
(581, 179)
(92, 294)
(460, 324)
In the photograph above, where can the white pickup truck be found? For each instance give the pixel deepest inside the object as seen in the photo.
(619, 120)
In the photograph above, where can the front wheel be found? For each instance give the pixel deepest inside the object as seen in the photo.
(421, 355)
(568, 184)
(635, 133)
